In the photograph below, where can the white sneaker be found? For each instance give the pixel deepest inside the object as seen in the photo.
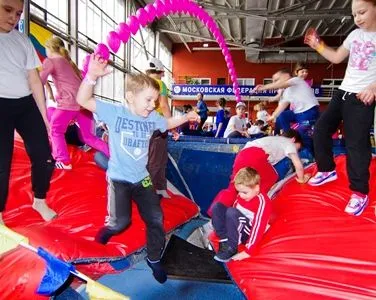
(62, 166)
(356, 205)
(322, 178)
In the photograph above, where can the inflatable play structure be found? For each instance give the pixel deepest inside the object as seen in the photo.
(79, 196)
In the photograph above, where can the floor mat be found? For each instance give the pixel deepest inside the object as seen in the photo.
(183, 260)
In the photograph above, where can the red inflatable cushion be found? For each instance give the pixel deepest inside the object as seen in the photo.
(79, 197)
(313, 249)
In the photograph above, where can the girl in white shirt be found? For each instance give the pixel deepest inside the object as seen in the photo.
(353, 103)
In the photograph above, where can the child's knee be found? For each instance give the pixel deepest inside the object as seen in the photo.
(231, 212)
(120, 225)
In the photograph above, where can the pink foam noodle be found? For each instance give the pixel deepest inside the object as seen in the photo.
(133, 24)
(113, 41)
(103, 51)
(142, 16)
(124, 32)
(151, 11)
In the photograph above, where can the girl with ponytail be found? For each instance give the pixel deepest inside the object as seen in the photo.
(67, 79)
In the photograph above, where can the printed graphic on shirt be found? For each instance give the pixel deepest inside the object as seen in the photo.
(135, 136)
(361, 54)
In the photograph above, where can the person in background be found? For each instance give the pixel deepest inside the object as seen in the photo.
(67, 78)
(202, 110)
(237, 125)
(244, 220)
(158, 157)
(354, 103)
(301, 70)
(221, 120)
(261, 114)
(130, 126)
(304, 107)
(23, 108)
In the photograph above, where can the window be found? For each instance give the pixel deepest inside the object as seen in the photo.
(204, 81)
(54, 13)
(221, 81)
(246, 81)
(267, 81)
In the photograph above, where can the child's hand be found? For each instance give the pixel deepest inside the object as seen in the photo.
(97, 67)
(311, 38)
(193, 116)
(306, 177)
(367, 96)
(175, 134)
(241, 255)
(257, 88)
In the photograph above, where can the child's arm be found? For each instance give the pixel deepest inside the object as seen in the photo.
(50, 94)
(277, 97)
(38, 93)
(218, 129)
(299, 169)
(177, 121)
(97, 68)
(272, 86)
(335, 56)
(47, 69)
(282, 105)
(260, 221)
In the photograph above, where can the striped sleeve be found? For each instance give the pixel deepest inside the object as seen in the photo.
(259, 223)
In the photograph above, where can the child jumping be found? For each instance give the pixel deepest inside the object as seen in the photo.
(131, 125)
(245, 220)
(67, 78)
(354, 103)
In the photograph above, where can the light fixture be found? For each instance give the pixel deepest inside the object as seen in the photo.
(205, 45)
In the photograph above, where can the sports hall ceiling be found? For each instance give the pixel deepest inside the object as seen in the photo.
(268, 30)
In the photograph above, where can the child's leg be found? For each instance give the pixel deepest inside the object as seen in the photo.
(158, 159)
(86, 123)
(38, 148)
(285, 119)
(8, 116)
(219, 219)
(325, 127)
(119, 210)
(149, 206)
(358, 119)
(59, 123)
(236, 224)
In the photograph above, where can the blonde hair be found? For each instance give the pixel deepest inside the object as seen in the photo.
(56, 45)
(136, 82)
(248, 177)
(259, 106)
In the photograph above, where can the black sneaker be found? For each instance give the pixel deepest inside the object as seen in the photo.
(222, 245)
(225, 256)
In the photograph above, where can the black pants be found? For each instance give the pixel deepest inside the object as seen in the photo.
(357, 119)
(23, 115)
(202, 122)
(230, 223)
(158, 158)
(120, 195)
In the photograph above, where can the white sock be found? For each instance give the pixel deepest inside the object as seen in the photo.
(163, 193)
(42, 208)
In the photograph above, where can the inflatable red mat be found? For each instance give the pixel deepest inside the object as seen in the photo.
(79, 197)
(313, 249)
